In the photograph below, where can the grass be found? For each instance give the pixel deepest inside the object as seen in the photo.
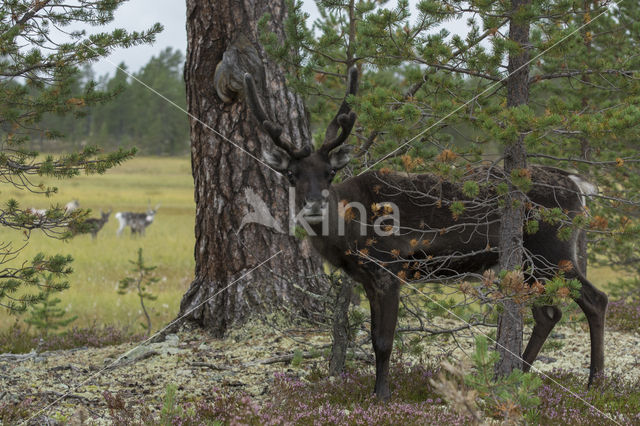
(99, 264)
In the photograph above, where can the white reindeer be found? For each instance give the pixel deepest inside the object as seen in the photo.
(138, 222)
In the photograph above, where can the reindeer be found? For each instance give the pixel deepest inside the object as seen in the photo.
(93, 225)
(428, 236)
(68, 208)
(138, 222)
(71, 206)
(97, 224)
(37, 212)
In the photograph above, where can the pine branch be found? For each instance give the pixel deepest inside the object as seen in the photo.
(566, 74)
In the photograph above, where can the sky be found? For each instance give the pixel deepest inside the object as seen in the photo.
(142, 14)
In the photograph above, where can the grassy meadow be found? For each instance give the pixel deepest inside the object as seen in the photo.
(99, 264)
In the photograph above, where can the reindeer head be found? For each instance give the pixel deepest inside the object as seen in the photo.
(151, 212)
(105, 216)
(310, 172)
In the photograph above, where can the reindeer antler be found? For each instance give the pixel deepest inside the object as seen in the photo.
(344, 119)
(274, 130)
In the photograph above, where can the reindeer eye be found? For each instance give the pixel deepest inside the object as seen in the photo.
(332, 173)
(289, 174)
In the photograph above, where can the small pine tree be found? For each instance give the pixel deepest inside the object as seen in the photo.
(511, 398)
(140, 280)
(47, 315)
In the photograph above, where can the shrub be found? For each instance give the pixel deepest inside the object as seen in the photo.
(343, 400)
(15, 413)
(611, 394)
(348, 400)
(624, 315)
(18, 340)
(505, 397)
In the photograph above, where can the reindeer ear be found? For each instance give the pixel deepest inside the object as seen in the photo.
(277, 158)
(340, 157)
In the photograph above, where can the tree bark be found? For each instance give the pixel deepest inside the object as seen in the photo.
(585, 146)
(226, 179)
(510, 324)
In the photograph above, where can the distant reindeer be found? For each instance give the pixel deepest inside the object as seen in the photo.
(71, 206)
(138, 222)
(37, 212)
(95, 224)
(68, 208)
(437, 244)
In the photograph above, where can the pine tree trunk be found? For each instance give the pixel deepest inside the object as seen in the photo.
(585, 147)
(224, 176)
(509, 337)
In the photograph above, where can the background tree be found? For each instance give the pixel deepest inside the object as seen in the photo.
(39, 70)
(595, 79)
(227, 180)
(134, 115)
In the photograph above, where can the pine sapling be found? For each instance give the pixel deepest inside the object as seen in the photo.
(508, 397)
(46, 315)
(142, 277)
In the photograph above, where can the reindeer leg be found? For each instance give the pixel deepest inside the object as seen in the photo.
(121, 227)
(545, 317)
(593, 303)
(384, 315)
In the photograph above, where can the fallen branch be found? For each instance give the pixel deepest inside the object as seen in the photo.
(33, 354)
(132, 358)
(64, 395)
(305, 355)
(19, 357)
(281, 358)
(210, 366)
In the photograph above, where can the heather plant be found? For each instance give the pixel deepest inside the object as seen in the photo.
(142, 277)
(624, 315)
(123, 414)
(623, 312)
(92, 336)
(610, 395)
(15, 413)
(16, 339)
(347, 399)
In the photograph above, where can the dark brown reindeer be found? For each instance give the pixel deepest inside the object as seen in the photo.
(93, 225)
(97, 224)
(433, 242)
